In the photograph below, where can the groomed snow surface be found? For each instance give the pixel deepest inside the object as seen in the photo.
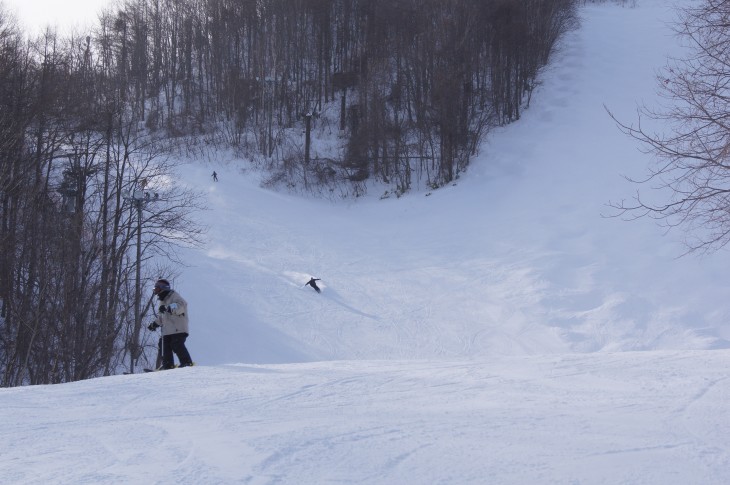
(498, 331)
(624, 418)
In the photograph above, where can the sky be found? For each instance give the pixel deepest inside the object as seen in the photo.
(498, 330)
(36, 14)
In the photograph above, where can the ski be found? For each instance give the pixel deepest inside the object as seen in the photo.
(156, 370)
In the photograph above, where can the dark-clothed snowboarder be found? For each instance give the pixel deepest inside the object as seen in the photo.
(313, 284)
(173, 318)
(215, 176)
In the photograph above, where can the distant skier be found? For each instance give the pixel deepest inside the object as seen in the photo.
(313, 284)
(215, 176)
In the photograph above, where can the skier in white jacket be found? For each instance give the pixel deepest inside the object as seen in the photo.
(173, 318)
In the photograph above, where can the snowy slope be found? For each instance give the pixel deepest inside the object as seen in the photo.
(486, 333)
(650, 418)
(516, 259)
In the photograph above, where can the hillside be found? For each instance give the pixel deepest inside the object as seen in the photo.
(496, 331)
(516, 258)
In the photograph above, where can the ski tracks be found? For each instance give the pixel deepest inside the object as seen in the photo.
(699, 416)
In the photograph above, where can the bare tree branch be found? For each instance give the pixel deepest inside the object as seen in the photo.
(691, 169)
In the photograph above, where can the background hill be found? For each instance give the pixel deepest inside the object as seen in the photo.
(486, 332)
(515, 258)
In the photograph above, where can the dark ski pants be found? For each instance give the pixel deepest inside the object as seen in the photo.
(174, 343)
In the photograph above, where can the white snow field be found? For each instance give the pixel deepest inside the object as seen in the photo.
(498, 331)
(622, 418)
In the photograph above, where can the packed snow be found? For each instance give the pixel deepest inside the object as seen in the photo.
(501, 330)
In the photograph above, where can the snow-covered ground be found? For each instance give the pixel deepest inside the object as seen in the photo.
(623, 418)
(497, 331)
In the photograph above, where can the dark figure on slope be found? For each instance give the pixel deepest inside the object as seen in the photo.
(173, 318)
(215, 176)
(313, 283)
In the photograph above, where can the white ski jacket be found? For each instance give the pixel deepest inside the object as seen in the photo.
(176, 321)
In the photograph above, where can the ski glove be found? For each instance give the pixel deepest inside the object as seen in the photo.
(153, 326)
(169, 308)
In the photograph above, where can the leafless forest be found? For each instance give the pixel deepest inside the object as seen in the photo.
(408, 88)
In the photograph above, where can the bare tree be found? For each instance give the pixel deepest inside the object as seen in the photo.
(692, 156)
(71, 147)
(419, 82)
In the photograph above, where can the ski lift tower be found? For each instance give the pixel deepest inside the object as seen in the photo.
(138, 198)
